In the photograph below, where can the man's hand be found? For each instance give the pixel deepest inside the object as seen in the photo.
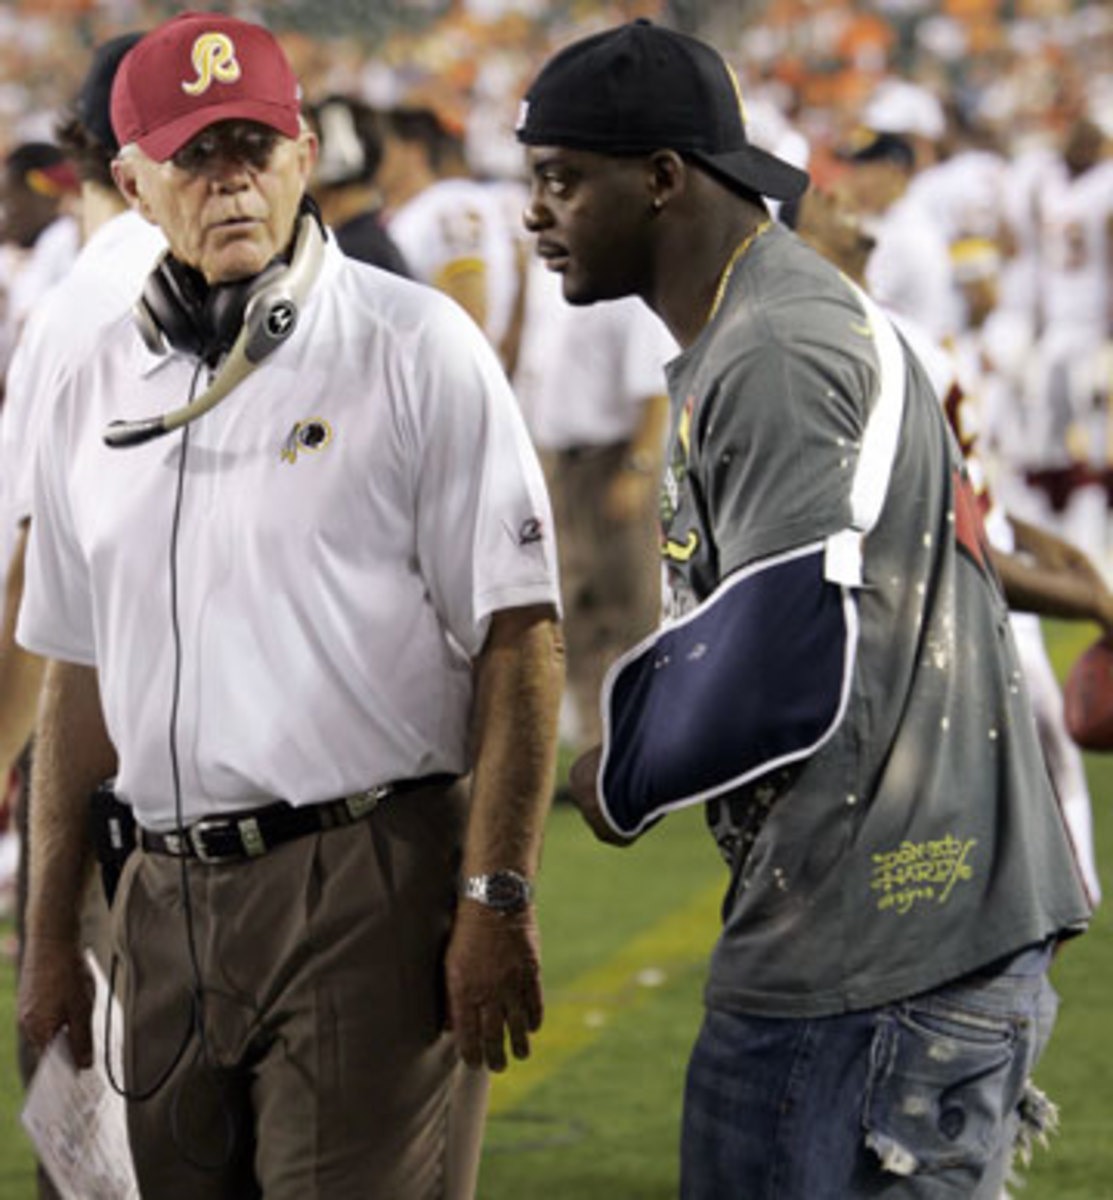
(582, 784)
(55, 993)
(493, 970)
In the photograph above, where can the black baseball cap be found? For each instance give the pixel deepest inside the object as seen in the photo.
(96, 91)
(641, 87)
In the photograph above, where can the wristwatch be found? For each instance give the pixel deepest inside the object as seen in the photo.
(505, 891)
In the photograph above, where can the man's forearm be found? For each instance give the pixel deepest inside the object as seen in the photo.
(1030, 586)
(73, 754)
(519, 678)
(20, 672)
(648, 441)
(493, 961)
(20, 679)
(466, 282)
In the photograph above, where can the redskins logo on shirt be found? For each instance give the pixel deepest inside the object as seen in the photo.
(309, 436)
(214, 59)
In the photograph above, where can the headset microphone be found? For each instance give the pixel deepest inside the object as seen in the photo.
(269, 318)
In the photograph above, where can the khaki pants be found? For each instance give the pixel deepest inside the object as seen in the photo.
(610, 573)
(305, 1052)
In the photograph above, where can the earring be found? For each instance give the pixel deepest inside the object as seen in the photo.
(656, 204)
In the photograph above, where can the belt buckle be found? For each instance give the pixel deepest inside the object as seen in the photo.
(197, 832)
(367, 801)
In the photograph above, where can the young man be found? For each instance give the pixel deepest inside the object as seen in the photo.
(288, 629)
(838, 682)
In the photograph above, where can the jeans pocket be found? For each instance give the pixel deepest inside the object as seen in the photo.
(944, 1081)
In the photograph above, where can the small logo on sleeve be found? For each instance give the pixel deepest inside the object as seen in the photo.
(530, 531)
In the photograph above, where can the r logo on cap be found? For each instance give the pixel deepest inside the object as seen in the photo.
(214, 58)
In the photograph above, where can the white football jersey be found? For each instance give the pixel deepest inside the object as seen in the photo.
(1075, 252)
(585, 373)
(452, 225)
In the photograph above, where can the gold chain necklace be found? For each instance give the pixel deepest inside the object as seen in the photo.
(732, 262)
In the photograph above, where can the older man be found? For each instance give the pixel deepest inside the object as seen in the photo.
(289, 629)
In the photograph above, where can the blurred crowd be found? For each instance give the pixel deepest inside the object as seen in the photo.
(1019, 68)
(964, 145)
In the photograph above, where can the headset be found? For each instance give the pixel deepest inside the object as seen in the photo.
(177, 310)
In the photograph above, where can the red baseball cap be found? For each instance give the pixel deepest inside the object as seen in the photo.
(195, 70)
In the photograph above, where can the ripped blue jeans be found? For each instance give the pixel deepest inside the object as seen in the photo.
(922, 1099)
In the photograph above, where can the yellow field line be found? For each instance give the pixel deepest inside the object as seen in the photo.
(578, 1014)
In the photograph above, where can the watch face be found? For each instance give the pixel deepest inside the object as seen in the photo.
(504, 891)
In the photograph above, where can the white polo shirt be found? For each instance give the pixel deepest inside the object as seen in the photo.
(106, 278)
(353, 513)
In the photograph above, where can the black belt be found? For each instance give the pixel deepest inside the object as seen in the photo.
(251, 834)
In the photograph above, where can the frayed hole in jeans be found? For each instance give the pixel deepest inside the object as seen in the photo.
(893, 1156)
(1039, 1121)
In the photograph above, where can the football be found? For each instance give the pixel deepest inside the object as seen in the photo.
(1088, 697)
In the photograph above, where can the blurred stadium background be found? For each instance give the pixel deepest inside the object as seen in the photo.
(1014, 65)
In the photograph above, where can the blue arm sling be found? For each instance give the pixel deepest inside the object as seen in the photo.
(757, 676)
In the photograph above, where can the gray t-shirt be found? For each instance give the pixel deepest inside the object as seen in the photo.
(922, 840)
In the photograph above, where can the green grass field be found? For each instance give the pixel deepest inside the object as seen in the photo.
(594, 1114)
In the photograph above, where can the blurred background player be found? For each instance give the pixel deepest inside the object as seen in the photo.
(908, 270)
(451, 228)
(38, 239)
(344, 183)
(117, 252)
(1073, 435)
(592, 388)
(38, 234)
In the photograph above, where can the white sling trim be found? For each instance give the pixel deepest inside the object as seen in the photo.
(877, 453)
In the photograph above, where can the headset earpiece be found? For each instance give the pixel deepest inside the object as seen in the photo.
(178, 311)
(170, 312)
(150, 328)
